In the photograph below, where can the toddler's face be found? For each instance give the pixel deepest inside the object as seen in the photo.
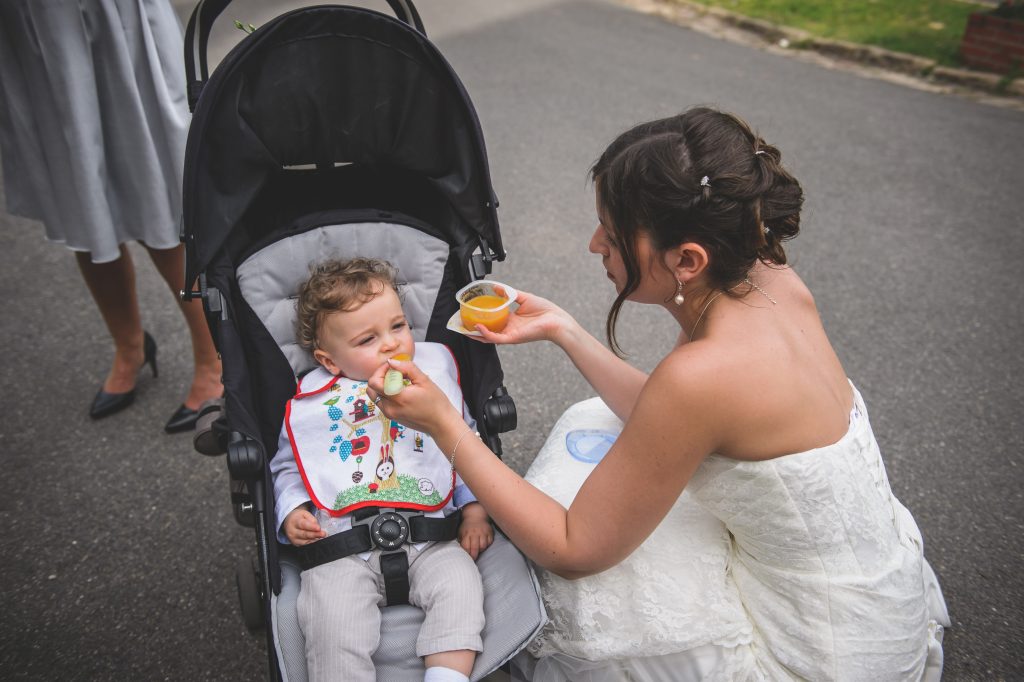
(356, 343)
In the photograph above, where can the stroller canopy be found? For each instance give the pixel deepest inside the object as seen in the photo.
(326, 87)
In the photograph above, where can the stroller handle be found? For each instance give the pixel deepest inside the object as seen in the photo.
(207, 11)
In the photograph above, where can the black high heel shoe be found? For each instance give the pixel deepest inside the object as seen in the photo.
(183, 419)
(186, 419)
(106, 404)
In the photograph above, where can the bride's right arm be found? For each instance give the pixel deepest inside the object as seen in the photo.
(679, 418)
(615, 380)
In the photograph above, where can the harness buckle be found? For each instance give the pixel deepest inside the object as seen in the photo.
(374, 528)
(389, 530)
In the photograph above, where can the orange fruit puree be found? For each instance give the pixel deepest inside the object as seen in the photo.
(486, 301)
(480, 310)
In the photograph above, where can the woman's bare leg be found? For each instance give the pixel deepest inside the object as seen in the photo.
(170, 263)
(112, 286)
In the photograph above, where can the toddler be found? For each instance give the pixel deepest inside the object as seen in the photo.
(344, 473)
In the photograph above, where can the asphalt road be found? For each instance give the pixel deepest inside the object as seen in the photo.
(118, 548)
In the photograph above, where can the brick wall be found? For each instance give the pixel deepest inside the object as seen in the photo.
(993, 43)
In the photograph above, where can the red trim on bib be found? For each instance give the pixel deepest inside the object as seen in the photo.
(390, 505)
(458, 380)
(300, 394)
(458, 372)
(358, 505)
(295, 454)
(367, 503)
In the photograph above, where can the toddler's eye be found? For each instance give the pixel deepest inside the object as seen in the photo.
(365, 341)
(399, 325)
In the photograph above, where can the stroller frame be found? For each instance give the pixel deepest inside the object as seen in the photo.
(218, 234)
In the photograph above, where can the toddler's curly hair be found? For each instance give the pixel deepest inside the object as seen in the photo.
(338, 285)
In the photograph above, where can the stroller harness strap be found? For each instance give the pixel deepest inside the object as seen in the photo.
(394, 566)
(372, 532)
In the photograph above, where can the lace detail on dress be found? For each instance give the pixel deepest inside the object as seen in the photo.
(827, 562)
(672, 593)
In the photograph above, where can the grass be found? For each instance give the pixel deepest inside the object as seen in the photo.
(928, 28)
(408, 490)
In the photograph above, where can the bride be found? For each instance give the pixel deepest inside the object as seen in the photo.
(728, 516)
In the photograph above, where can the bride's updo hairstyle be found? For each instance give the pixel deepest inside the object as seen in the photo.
(702, 176)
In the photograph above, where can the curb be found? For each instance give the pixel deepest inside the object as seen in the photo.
(689, 13)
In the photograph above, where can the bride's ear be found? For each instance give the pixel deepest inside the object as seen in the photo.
(686, 261)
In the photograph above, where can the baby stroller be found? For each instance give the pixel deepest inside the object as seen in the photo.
(336, 131)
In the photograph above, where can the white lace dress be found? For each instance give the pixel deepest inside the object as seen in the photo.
(801, 567)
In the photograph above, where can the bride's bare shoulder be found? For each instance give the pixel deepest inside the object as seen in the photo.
(702, 369)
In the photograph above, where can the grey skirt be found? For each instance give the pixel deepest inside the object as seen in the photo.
(93, 120)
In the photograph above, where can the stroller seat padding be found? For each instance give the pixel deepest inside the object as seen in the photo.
(270, 278)
(512, 607)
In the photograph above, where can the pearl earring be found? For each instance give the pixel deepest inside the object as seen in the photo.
(678, 298)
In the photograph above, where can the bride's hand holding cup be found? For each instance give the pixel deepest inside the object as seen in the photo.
(536, 319)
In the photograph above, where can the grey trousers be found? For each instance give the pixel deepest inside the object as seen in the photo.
(339, 609)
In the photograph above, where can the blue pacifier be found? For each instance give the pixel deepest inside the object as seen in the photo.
(589, 445)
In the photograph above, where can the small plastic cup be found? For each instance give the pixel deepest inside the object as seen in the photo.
(485, 302)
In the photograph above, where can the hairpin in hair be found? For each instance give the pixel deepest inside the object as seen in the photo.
(760, 151)
(704, 182)
(765, 229)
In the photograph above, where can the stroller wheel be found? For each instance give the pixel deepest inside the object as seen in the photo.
(249, 598)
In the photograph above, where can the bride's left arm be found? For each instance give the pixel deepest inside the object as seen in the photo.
(630, 491)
